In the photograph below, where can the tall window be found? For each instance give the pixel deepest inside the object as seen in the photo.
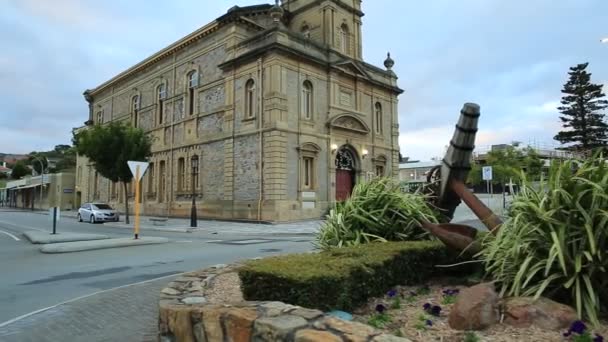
(135, 109)
(161, 182)
(113, 190)
(195, 171)
(344, 39)
(250, 99)
(192, 84)
(100, 117)
(161, 93)
(308, 172)
(378, 116)
(380, 170)
(151, 178)
(307, 99)
(181, 174)
(95, 184)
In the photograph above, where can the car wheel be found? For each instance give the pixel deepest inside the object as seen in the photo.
(92, 219)
(79, 217)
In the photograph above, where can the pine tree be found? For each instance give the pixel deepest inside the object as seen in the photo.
(582, 117)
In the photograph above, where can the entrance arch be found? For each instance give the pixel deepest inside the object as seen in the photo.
(346, 166)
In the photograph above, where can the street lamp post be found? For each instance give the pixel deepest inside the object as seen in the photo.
(41, 180)
(193, 218)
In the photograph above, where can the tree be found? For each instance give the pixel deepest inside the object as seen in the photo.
(507, 164)
(109, 147)
(19, 170)
(585, 129)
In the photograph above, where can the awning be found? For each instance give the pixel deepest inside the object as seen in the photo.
(27, 187)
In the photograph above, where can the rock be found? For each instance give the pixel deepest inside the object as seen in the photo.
(276, 328)
(273, 309)
(544, 313)
(211, 322)
(170, 291)
(309, 335)
(476, 308)
(239, 324)
(389, 338)
(352, 331)
(194, 300)
(307, 313)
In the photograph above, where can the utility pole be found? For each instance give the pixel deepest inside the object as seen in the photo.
(41, 181)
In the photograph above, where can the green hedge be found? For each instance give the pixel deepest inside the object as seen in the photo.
(345, 278)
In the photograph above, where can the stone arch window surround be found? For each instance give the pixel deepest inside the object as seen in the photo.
(250, 102)
(378, 117)
(135, 107)
(161, 98)
(307, 100)
(308, 157)
(193, 78)
(344, 38)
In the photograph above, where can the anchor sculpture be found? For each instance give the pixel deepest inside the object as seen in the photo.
(447, 189)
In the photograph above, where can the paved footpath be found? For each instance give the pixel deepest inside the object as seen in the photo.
(125, 314)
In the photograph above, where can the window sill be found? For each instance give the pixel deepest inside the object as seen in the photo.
(249, 119)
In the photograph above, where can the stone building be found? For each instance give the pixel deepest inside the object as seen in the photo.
(274, 102)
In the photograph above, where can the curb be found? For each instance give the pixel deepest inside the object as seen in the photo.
(68, 247)
(38, 238)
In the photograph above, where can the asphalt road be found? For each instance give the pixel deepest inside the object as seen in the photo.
(30, 280)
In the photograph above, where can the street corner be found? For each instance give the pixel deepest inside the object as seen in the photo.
(79, 246)
(40, 237)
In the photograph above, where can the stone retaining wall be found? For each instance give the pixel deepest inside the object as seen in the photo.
(186, 315)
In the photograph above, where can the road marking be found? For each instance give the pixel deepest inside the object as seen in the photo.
(83, 297)
(20, 226)
(183, 241)
(212, 241)
(9, 234)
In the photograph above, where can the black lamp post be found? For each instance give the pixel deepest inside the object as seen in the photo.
(193, 218)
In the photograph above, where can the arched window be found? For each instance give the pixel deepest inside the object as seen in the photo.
(161, 182)
(250, 102)
(161, 95)
(344, 39)
(135, 109)
(306, 30)
(307, 100)
(192, 84)
(378, 116)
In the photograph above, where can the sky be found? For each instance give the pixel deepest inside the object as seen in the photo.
(509, 56)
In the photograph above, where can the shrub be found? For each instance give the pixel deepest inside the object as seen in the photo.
(377, 211)
(344, 278)
(555, 241)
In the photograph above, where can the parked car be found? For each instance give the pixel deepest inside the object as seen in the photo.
(97, 212)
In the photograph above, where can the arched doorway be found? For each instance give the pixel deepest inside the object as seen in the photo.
(345, 173)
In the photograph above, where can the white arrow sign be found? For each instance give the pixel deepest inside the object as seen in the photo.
(135, 165)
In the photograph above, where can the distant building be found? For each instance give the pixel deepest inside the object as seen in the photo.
(5, 170)
(267, 113)
(57, 191)
(416, 172)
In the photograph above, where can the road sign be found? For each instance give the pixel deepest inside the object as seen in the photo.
(143, 166)
(486, 173)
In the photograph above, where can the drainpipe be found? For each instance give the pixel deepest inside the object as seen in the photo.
(260, 137)
(170, 198)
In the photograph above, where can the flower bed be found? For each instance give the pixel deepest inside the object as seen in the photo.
(420, 313)
(345, 278)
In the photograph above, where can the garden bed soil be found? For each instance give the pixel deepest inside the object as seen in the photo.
(407, 321)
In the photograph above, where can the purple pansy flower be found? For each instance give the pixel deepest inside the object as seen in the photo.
(578, 327)
(429, 322)
(392, 293)
(380, 308)
(451, 292)
(426, 306)
(435, 310)
(598, 338)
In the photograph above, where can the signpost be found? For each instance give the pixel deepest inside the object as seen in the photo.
(138, 169)
(55, 214)
(486, 174)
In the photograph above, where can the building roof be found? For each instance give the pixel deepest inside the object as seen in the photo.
(418, 165)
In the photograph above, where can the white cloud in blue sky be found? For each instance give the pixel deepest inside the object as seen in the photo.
(511, 57)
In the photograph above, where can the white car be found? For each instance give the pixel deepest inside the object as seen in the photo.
(97, 212)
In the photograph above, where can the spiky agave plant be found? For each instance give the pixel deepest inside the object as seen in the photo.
(555, 241)
(376, 211)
